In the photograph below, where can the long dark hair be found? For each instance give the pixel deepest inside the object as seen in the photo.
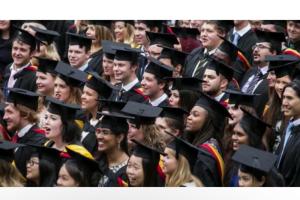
(71, 133)
(151, 176)
(187, 99)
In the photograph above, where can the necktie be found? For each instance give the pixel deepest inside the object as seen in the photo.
(253, 82)
(121, 92)
(199, 65)
(236, 38)
(286, 138)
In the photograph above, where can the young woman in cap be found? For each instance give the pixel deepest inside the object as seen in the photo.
(124, 31)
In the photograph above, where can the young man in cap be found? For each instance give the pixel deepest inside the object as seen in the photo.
(21, 74)
(20, 116)
(153, 83)
(254, 81)
(125, 66)
(293, 32)
(79, 51)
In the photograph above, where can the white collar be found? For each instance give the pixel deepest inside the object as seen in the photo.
(243, 31)
(157, 101)
(219, 97)
(264, 69)
(17, 69)
(85, 66)
(210, 52)
(130, 85)
(24, 130)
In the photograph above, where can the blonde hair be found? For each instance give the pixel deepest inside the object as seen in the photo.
(75, 95)
(10, 175)
(152, 136)
(129, 34)
(182, 174)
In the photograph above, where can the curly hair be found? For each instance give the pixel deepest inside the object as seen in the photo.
(152, 136)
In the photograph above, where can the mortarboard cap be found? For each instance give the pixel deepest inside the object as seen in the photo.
(116, 122)
(106, 23)
(162, 39)
(70, 75)
(146, 152)
(174, 113)
(27, 38)
(126, 53)
(186, 83)
(79, 39)
(112, 106)
(108, 48)
(158, 69)
(229, 48)
(151, 23)
(277, 60)
(182, 32)
(45, 35)
(101, 86)
(253, 125)
(255, 158)
(275, 38)
(143, 113)
(220, 67)
(46, 65)
(227, 25)
(285, 69)
(238, 97)
(177, 57)
(23, 97)
(64, 110)
(7, 150)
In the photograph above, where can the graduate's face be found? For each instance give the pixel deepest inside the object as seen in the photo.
(135, 171)
(20, 53)
(209, 36)
(213, 82)
(106, 140)
(77, 55)
(53, 125)
(150, 85)
(169, 161)
(281, 83)
(45, 83)
(62, 91)
(165, 130)
(196, 119)
(119, 31)
(12, 117)
(140, 33)
(236, 114)
(154, 51)
(123, 70)
(293, 30)
(65, 179)
(260, 51)
(134, 133)
(89, 99)
(108, 66)
(91, 33)
(32, 167)
(174, 98)
(247, 180)
(290, 103)
(239, 137)
(271, 79)
(4, 25)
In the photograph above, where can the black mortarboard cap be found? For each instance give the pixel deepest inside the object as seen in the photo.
(111, 106)
(158, 69)
(152, 23)
(229, 48)
(255, 158)
(23, 97)
(284, 70)
(79, 39)
(174, 113)
(45, 35)
(186, 83)
(238, 97)
(64, 110)
(189, 151)
(253, 125)
(220, 67)
(101, 86)
(27, 38)
(126, 53)
(226, 24)
(185, 32)
(46, 65)
(70, 75)
(7, 150)
(106, 23)
(272, 37)
(143, 113)
(146, 152)
(108, 48)
(177, 57)
(116, 122)
(164, 39)
(278, 60)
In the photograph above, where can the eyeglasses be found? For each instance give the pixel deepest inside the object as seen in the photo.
(32, 162)
(260, 46)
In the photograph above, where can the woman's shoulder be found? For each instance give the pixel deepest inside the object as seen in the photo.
(189, 184)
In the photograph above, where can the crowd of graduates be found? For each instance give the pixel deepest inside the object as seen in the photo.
(149, 103)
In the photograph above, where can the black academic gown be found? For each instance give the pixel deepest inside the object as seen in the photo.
(134, 94)
(261, 100)
(164, 103)
(26, 79)
(22, 154)
(95, 63)
(142, 63)
(290, 162)
(90, 140)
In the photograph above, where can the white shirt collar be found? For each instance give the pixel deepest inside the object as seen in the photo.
(17, 69)
(264, 69)
(130, 85)
(243, 31)
(24, 130)
(157, 101)
(85, 66)
(219, 97)
(211, 51)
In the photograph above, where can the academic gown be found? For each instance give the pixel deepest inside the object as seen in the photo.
(22, 154)
(134, 94)
(90, 140)
(95, 63)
